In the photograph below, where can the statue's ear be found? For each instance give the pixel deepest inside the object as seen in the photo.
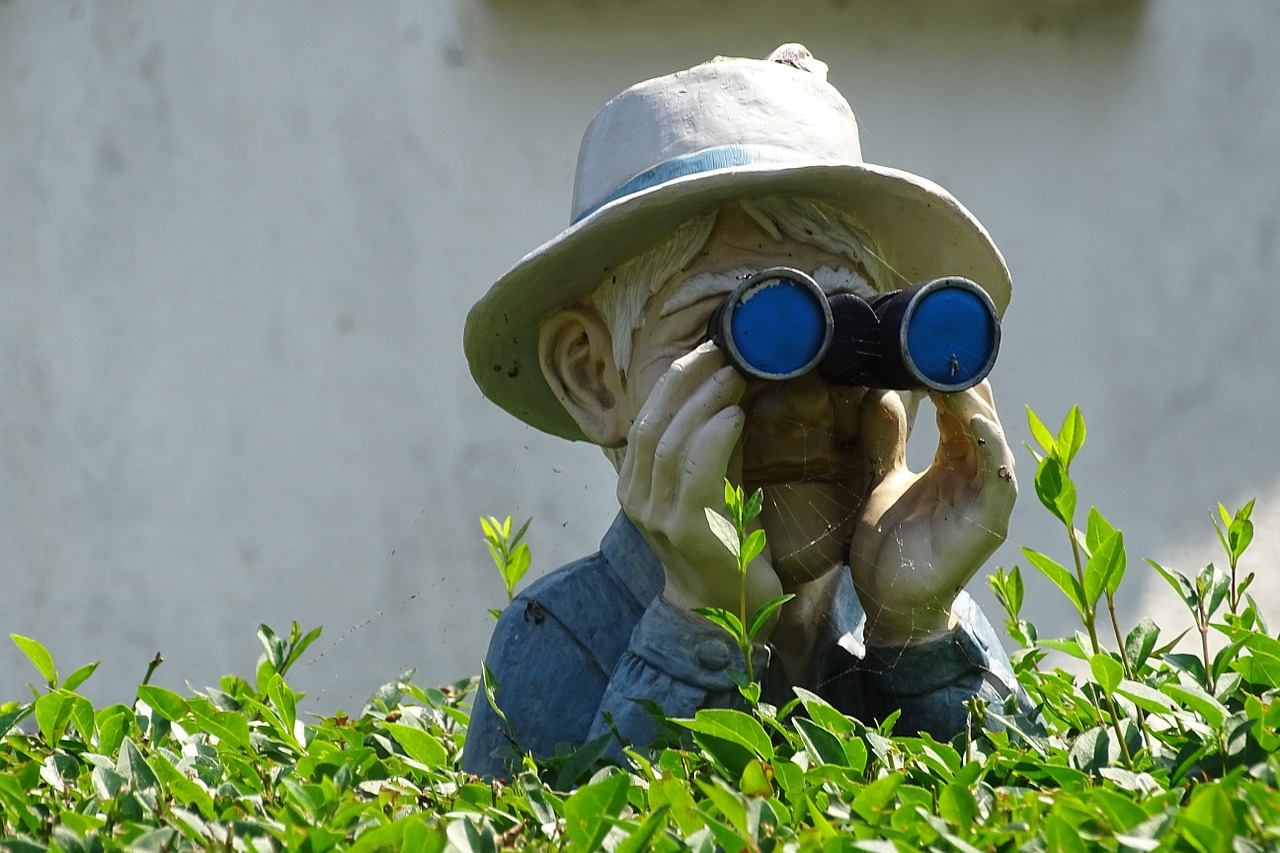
(575, 350)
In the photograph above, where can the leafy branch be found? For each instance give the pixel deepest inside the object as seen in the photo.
(1235, 534)
(1097, 553)
(745, 545)
(510, 553)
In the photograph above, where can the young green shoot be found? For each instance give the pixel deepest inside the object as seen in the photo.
(745, 545)
(510, 553)
(1235, 534)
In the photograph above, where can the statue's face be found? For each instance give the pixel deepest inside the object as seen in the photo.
(801, 441)
(800, 430)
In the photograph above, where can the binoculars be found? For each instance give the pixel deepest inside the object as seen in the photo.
(939, 335)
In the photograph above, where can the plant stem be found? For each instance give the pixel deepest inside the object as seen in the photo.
(1090, 615)
(1202, 625)
(151, 667)
(744, 641)
(1204, 650)
(1115, 624)
(1115, 726)
(1147, 737)
(1233, 597)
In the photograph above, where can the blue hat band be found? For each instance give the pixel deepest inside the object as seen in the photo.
(697, 163)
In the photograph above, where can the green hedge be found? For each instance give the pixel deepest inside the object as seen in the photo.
(1159, 750)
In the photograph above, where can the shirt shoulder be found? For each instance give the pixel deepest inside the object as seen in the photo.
(586, 602)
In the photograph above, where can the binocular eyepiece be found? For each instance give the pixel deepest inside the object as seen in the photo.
(939, 335)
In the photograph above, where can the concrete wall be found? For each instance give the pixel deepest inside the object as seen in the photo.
(237, 243)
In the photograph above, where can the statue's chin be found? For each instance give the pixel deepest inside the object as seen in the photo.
(809, 524)
(808, 564)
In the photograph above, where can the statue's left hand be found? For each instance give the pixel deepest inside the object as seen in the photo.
(921, 537)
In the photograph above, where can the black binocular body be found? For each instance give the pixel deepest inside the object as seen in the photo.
(939, 335)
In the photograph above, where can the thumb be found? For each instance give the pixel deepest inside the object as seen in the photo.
(884, 431)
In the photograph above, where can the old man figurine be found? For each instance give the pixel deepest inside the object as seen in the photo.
(686, 185)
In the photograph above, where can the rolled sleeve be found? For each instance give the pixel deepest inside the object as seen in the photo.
(678, 661)
(923, 666)
(930, 680)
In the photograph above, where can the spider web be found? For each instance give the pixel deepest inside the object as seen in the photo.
(823, 520)
(835, 515)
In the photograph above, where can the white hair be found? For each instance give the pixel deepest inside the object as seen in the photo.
(832, 280)
(818, 223)
(622, 297)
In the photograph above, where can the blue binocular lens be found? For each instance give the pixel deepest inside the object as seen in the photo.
(940, 335)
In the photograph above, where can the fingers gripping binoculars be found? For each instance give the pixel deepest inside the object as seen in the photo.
(940, 335)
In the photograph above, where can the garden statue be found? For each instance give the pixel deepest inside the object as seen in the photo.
(748, 174)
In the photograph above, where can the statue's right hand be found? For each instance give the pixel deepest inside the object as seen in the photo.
(679, 451)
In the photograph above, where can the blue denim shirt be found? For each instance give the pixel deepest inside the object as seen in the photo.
(591, 637)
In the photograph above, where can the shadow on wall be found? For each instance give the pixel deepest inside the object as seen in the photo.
(517, 26)
(1162, 604)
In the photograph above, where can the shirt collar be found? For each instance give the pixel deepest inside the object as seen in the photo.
(632, 560)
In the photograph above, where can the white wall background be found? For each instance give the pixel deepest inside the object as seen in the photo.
(237, 243)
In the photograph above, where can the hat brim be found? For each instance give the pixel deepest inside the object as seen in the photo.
(921, 231)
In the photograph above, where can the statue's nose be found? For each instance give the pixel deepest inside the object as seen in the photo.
(800, 403)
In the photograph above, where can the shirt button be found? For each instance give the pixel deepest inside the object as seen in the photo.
(713, 654)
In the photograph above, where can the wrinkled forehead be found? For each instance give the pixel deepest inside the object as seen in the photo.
(717, 285)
